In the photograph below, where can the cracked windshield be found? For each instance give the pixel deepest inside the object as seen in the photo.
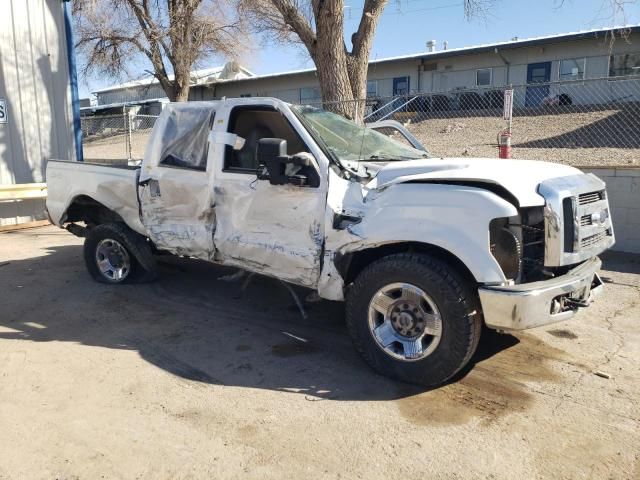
(352, 142)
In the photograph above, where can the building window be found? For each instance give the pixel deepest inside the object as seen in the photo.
(625, 64)
(310, 95)
(401, 86)
(372, 88)
(483, 77)
(571, 69)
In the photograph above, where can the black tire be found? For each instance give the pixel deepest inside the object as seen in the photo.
(455, 298)
(143, 263)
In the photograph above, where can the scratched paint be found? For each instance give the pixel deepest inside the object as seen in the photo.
(115, 188)
(277, 227)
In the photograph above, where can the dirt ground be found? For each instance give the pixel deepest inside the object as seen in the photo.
(186, 378)
(114, 147)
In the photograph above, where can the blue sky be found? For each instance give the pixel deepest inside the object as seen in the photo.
(406, 25)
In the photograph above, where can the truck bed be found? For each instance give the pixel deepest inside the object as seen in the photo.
(114, 186)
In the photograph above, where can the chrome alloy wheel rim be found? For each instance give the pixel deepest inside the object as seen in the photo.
(405, 322)
(113, 260)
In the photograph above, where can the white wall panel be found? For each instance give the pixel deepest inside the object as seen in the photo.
(34, 82)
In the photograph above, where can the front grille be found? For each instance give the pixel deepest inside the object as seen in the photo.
(591, 197)
(576, 221)
(594, 239)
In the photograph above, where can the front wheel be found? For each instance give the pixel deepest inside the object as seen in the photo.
(414, 318)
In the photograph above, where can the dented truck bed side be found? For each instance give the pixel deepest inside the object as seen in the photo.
(112, 186)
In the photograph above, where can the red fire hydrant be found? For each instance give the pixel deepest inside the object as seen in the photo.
(504, 144)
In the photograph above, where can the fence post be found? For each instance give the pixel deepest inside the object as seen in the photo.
(513, 98)
(504, 136)
(129, 135)
(124, 126)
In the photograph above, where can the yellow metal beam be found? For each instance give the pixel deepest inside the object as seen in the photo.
(23, 191)
(22, 226)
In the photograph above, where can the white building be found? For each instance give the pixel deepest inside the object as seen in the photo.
(37, 97)
(147, 96)
(520, 62)
(553, 59)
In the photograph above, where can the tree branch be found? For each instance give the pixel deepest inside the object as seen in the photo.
(294, 19)
(362, 39)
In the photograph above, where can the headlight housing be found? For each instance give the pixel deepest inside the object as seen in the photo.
(505, 245)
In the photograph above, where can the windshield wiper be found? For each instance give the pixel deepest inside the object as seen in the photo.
(398, 157)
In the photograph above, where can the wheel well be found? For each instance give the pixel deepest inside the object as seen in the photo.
(351, 264)
(86, 209)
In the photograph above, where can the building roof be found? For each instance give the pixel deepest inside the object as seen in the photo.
(218, 75)
(95, 108)
(205, 75)
(481, 48)
(518, 43)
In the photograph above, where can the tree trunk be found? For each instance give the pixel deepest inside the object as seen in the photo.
(342, 74)
(331, 59)
(357, 68)
(181, 86)
(362, 41)
(181, 93)
(336, 87)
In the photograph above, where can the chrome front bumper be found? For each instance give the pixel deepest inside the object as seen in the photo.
(518, 307)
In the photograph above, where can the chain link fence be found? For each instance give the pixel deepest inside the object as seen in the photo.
(590, 122)
(115, 138)
(587, 122)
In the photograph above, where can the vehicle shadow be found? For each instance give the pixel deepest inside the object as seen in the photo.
(621, 262)
(200, 328)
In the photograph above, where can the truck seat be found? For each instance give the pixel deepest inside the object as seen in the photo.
(246, 156)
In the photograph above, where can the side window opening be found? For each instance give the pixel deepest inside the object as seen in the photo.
(186, 139)
(253, 124)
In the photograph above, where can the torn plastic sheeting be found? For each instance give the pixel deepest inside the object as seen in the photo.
(180, 135)
(226, 138)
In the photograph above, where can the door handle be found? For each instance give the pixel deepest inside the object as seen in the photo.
(154, 186)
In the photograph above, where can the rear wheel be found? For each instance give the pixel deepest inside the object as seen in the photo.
(114, 253)
(414, 318)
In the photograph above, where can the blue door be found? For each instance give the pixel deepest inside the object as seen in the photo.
(537, 73)
(401, 86)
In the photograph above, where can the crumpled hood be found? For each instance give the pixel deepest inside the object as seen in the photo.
(520, 177)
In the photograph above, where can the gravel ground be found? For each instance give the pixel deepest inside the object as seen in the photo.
(114, 147)
(185, 378)
(594, 139)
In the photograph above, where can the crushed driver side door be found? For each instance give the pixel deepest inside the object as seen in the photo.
(175, 187)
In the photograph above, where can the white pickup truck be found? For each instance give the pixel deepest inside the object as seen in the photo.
(423, 250)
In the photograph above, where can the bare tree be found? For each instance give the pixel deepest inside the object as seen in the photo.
(613, 12)
(170, 36)
(319, 26)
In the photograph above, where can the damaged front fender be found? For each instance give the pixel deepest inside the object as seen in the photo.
(454, 218)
